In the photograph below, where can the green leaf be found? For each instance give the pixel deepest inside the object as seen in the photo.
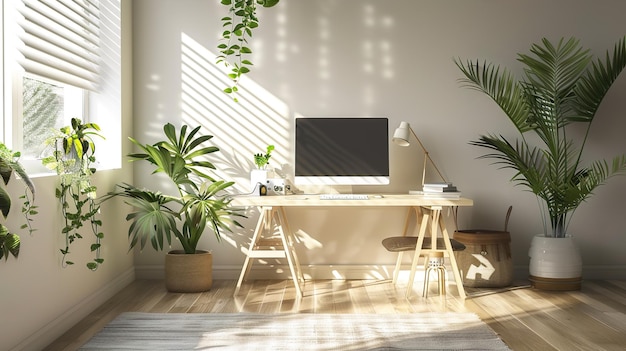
(268, 3)
(5, 202)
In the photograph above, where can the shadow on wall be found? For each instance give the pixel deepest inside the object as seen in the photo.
(240, 129)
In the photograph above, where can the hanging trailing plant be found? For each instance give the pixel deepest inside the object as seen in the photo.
(9, 163)
(234, 46)
(73, 159)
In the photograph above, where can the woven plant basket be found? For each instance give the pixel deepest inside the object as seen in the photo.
(486, 261)
(188, 272)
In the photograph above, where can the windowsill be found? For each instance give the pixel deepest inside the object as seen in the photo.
(35, 169)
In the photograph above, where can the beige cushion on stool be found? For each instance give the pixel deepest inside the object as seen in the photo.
(407, 243)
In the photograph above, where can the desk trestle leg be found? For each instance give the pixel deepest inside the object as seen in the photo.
(281, 247)
(432, 217)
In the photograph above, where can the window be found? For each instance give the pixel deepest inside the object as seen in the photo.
(62, 59)
(46, 105)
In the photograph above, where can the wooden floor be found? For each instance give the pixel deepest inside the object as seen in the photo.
(526, 319)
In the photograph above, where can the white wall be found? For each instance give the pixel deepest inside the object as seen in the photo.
(40, 299)
(390, 58)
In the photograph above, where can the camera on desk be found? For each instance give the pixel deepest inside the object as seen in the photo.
(277, 186)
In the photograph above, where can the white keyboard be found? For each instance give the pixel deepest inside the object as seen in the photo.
(343, 197)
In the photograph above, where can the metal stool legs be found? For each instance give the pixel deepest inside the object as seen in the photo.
(435, 263)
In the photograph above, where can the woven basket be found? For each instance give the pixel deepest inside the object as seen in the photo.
(188, 273)
(486, 261)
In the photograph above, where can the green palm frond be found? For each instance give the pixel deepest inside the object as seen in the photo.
(561, 84)
(151, 220)
(500, 85)
(177, 156)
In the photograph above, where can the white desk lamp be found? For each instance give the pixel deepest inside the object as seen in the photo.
(401, 137)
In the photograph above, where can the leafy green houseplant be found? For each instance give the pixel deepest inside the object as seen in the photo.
(558, 95)
(262, 160)
(200, 201)
(562, 87)
(234, 46)
(9, 163)
(73, 158)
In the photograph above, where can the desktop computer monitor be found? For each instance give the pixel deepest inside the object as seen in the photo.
(341, 151)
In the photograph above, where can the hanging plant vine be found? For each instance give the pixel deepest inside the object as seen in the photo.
(233, 47)
(73, 158)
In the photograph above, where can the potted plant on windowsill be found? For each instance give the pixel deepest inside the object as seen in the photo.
(73, 158)
(200, 202)
(9, 163)
(562, 87)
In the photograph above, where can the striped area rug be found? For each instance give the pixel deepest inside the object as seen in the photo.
(246, 331)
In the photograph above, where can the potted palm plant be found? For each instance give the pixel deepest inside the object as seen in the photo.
(561, 88)
(200, 202)
(9, 163)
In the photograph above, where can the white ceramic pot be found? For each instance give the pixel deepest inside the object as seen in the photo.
(555, 263)
(257, 176)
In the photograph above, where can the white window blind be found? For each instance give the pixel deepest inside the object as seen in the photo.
(60, 40)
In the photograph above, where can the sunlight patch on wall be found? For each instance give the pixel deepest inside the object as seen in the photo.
(240, 129)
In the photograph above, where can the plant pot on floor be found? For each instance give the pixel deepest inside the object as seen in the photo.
(555, 263)
(188, 273)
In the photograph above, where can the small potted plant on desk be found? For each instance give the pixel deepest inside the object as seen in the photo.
(260, 174)
(561, 88)
(200, 202)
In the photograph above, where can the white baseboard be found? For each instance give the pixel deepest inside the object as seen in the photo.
(604, 272)
(231, 272)
(374, 272)
(592, 272)
(71, 317)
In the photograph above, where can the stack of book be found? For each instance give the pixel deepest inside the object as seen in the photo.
(441, 190)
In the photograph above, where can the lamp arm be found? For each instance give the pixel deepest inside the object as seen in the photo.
(426, 156)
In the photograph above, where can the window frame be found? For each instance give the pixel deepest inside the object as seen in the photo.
(101, 107)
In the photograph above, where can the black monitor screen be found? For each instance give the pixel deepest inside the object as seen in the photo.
(342, 147)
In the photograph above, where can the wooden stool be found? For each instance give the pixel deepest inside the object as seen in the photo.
(434, 259)
(435, 263)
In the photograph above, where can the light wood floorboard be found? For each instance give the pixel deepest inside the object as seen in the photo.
(593, 318)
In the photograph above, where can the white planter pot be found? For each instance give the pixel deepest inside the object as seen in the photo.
(555, 263)
(257, 176)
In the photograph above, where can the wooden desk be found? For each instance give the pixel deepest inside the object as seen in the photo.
(273, 213)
